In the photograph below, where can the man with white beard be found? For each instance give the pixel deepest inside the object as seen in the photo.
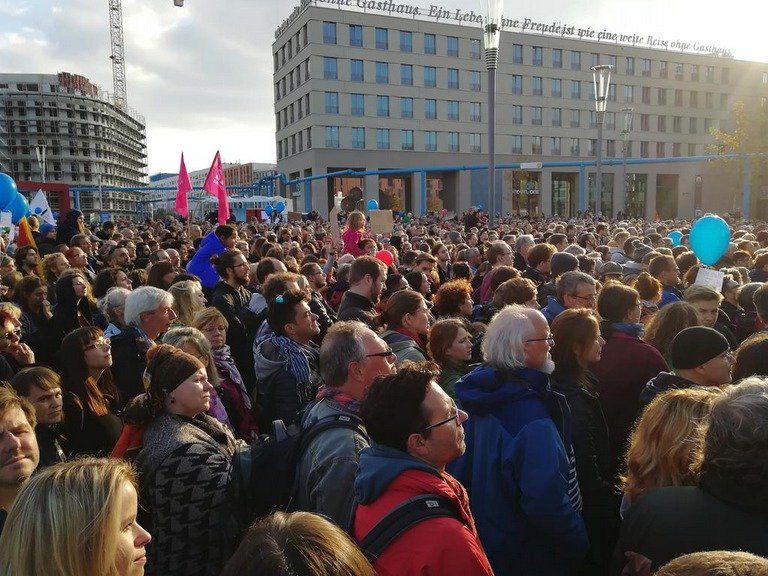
(519, 466)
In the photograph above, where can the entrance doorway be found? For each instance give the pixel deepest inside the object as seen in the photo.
(565, 195)
(666, 195)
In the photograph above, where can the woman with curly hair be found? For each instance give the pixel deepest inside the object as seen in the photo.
(667, 323)
(665, 441)
(454, 298)
(650, 294)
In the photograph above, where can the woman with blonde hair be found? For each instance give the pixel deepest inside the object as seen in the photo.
(668, 323)
(665, 441)
(54, 266)
(286, 544)
(76, 518)
(188, 300)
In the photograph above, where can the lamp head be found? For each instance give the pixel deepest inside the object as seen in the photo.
(601, 76)
(492, 11)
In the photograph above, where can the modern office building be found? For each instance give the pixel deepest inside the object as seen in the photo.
(62, 128)
(367, 90)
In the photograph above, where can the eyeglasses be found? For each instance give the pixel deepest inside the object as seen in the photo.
(550, 339)
(240, 265)
(15, 335)
(388, 353)
(456, 417)
(588, 298)
(100, 343)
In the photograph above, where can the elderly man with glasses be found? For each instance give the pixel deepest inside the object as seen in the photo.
(573, 290)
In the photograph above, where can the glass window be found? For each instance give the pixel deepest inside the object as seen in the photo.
(474, 80)
(517, 84)
(694, 72)
(517, 53)
(406, 107)
(406, 139)
(557, 116)
(630, 66)
(356, 70)
(517, 144)
(660, 149)
(406, 74)
(575, 118)
(430, 109)
(535, 144)
(382, 73)
(382, 139)
(557, 58)
(536, 115)
(537, 56)
(330, 69)
(453, 78)
(594, 59)
(644, 153)
(646, 95)
(382, 106)
(357, 105)
(430, 141)
(645, 67)
(355, 35)
(661, 124)
(663, 69)
(453, 110)
(677, 124)
(358, 138)
(694, 126)
(709, 100)
(474, 112)
(574, 146)
(709, 73)
(694, 99)
(629, 94)
(662, 96)
(575, 89)
(536, 86)
(329, 32)
(517, 114)
(453, 46)
(557, 88)
(429, 44)
(474, 49)
(331, 136)
(554, 146)
(430, 76)
(382, 38)
(406, 41)
(331, 102)
(691, 149)
(679, 67)
(453, 142)
(575, 60)
(474, 143)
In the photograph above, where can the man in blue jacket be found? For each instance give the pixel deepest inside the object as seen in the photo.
(519, 467)
(213, 243)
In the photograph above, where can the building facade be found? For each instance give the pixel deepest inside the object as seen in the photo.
(62, 128)
(369, 91)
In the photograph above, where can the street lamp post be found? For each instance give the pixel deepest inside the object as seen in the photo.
(601, 76)
(625, 132)
(492, 37)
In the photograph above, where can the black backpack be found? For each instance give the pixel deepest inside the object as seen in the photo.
(263, 476)
(403, 517)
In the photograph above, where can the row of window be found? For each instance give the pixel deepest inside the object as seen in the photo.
(383, 109)
(294, 144)
(382, 74)
(381, 40)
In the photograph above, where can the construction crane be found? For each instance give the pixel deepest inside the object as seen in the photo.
(118, 53)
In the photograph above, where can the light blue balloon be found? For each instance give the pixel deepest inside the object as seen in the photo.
(676, 236)
(280, 206)
(8, 190)
(373, 204)
(268, 209)
(18, 208)
(709, 238)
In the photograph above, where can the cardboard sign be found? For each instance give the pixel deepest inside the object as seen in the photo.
(711, 278)
(6, 225)
(382, 221)
(295, 216)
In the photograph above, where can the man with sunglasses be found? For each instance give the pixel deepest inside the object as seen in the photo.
(351, 357)
(416, 431)
(519, 467)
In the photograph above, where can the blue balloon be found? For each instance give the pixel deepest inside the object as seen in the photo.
(18, 208)
(675, 236)
(280, 206)
(709, 238)
(8, 190)
(373, 204)
(268, 209)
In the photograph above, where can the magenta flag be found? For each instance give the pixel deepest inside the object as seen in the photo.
(216, 186)
(183, 188)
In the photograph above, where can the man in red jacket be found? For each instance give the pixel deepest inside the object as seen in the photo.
(416, 430)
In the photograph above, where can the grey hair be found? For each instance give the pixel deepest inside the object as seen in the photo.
(736, 442)
(342, 345)
(186, 335)
(342, 274)
(144, 299)
(504, 341)
(569, 282)
(575, 249)
(524, 240)
(114, 298)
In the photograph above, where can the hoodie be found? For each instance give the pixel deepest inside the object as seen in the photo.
(388, 477)
(661, 383)
(200, 264)
(520, 473)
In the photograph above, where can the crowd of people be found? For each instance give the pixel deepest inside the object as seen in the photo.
(570, 397)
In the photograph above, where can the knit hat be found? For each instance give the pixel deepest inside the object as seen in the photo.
(640, 250)
(696, 345)
(167, 368)
(562, 262)
(611, 269)
(45, 228)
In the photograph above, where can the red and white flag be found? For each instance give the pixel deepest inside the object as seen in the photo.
(183, 188)
(216, 186)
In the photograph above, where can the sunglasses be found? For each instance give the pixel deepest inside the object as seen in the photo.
(388, 353)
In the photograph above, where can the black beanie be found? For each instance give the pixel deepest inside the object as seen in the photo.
(562, 262)
(694, 346)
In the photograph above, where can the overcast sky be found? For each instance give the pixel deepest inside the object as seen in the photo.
(202, 75)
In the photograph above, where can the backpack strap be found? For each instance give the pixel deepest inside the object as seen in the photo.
(401, 518)
(343, 420)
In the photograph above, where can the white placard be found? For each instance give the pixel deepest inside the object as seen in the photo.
(6, 225)
(711, 278)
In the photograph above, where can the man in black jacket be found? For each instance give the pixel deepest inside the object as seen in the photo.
(366, 282)
(325, 314)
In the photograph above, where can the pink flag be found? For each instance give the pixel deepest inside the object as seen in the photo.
(215, 186)
(182, 189)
